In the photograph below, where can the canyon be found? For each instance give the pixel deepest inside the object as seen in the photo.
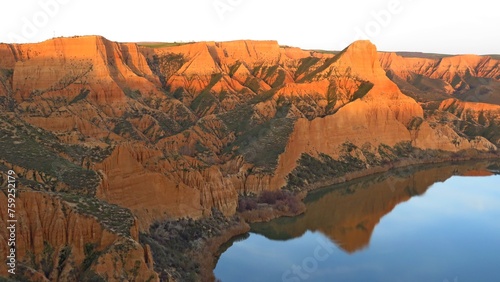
(108, 139)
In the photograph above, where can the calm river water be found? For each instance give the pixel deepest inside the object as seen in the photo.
(439, 223)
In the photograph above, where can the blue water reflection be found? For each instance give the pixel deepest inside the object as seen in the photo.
(450, 231)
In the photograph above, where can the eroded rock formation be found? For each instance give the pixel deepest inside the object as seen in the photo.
(170, 131)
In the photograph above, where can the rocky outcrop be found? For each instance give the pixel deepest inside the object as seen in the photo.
(186, 148)
(443, 137)
(380, 117)
(479, 112)
(58, 242)
(469, 77)
(61, 67)
(179, 130)
(444, 67)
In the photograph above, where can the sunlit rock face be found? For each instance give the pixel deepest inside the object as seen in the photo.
(170, 131)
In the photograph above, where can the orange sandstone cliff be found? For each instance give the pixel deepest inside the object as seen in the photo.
(168, 131)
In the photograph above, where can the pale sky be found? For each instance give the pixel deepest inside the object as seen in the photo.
(451, 27)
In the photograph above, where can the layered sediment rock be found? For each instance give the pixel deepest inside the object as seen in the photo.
(176, 131)
(57, 241)
(468, 77)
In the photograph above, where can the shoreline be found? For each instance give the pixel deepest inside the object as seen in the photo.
(214, 244)
(209, 254)
(396, 165)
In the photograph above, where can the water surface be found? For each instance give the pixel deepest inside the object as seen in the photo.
(428, 224)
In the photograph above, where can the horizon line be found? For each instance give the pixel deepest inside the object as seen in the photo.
(399, 52)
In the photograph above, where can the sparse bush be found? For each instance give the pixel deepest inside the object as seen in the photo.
(404, 149)
(282, 200)
(271, 197)
(174, 242)
(133, 94)
(90, 255)
(47, 261)
(64, 254)
(289, 204)
(246, 204)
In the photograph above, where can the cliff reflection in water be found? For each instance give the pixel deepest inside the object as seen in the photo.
(348, 213)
